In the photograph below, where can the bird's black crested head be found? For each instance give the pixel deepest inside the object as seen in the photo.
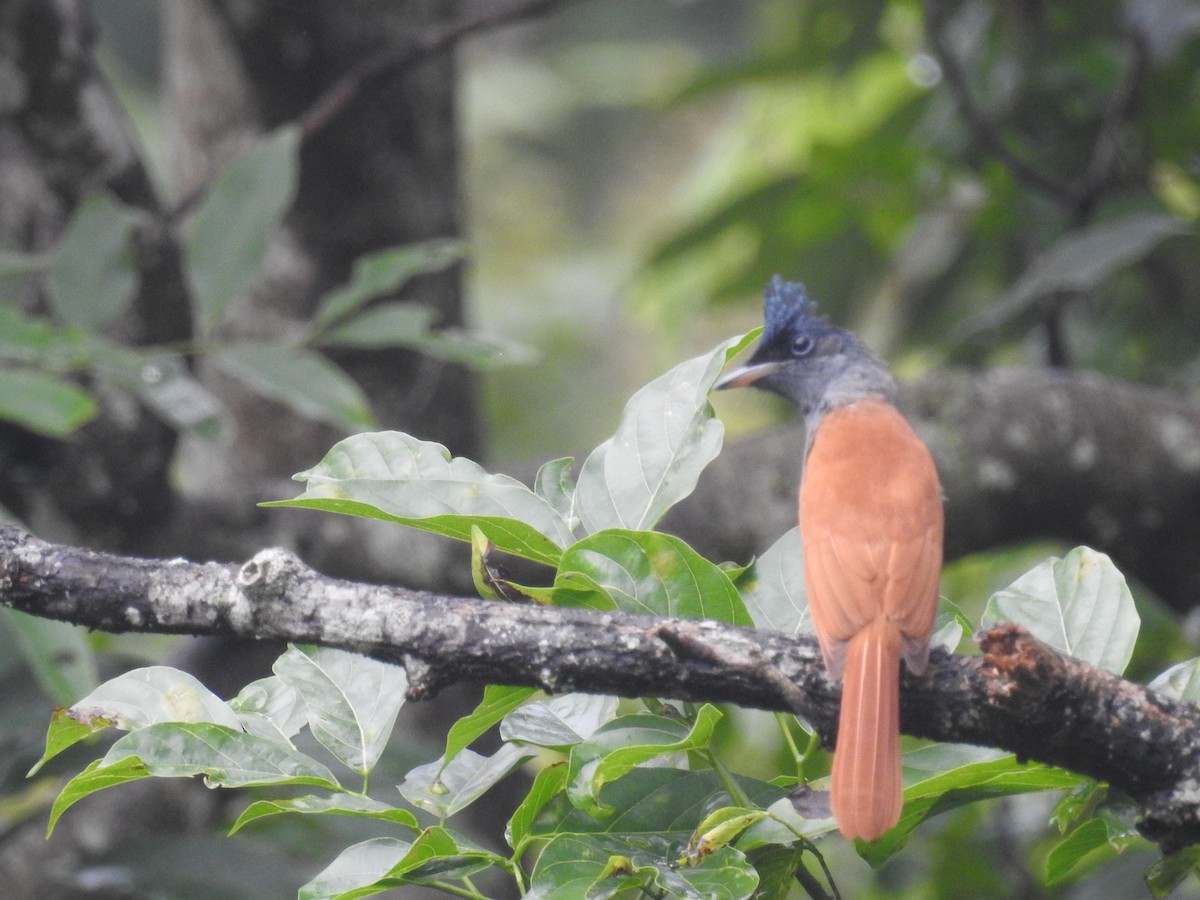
(785, 307)
(806, 358)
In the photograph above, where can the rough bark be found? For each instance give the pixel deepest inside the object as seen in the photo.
(1020, 695)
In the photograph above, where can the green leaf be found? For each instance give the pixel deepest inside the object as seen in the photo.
(559, 722)
(1092, 842)
(375, 865)
(667, 435)
(620, 746)
(1079, 605)
(1080, 261)
(58, 654)
(226, 757)
(336, 805)
(666, 802)
(13, 263)
(233, 226)
(444, 788)
(270, 708)
(721, 828)
(646, 572)
(164, 382)
(383, 325)
(66, 730)
(96, 777)
(385, 272)
(398, 478)
(549, 782)
(1181, 681)
(943, 777)
(357, 871)
(43, 403)
(352, 700)
(485, 352)
(554, 484)
(772, 587)
(155, 694)
(573, 866)
(498, 701)
(92, 277)
(1168, 872)
(408, 325)
(302, 380)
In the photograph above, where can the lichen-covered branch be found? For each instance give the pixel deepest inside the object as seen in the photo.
(1019, 695)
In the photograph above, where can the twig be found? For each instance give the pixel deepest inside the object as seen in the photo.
(988, 133)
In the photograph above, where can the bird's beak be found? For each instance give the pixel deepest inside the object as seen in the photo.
(746, 375)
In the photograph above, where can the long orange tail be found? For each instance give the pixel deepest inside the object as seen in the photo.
(866, 789)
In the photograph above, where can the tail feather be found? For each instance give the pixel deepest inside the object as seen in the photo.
(866, 791)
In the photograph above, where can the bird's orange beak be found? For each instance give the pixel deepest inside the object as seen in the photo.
(743, 376)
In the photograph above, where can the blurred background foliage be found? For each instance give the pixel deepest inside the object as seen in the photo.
(1021, 190)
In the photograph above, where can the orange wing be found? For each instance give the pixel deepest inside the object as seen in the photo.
(871, 525)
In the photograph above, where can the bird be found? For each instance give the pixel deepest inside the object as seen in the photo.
(871, 529)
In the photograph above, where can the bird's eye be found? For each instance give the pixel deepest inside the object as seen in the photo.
(802, 345)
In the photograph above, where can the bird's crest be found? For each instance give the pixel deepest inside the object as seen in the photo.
(785, 305)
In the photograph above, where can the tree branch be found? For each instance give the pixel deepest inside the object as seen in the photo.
(1023, 453)
(1019, 695)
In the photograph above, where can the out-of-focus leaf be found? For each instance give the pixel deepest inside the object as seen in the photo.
(398, 478)
(408, 325)
(444, 788)
(667, 435)
(165, 384)
(1093, 841)
(92, 276)
(1078, 261)
(1167, 872)
(384, 272)
(1079, 605)
(12, 264)
(337, 805)
(383, 325)
(1181, 681)
(646, 572)
(43, 403)
(352, 701)
(772, 587)
(485, 352)
(233, 226)
(302, 380)
(58, 653)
